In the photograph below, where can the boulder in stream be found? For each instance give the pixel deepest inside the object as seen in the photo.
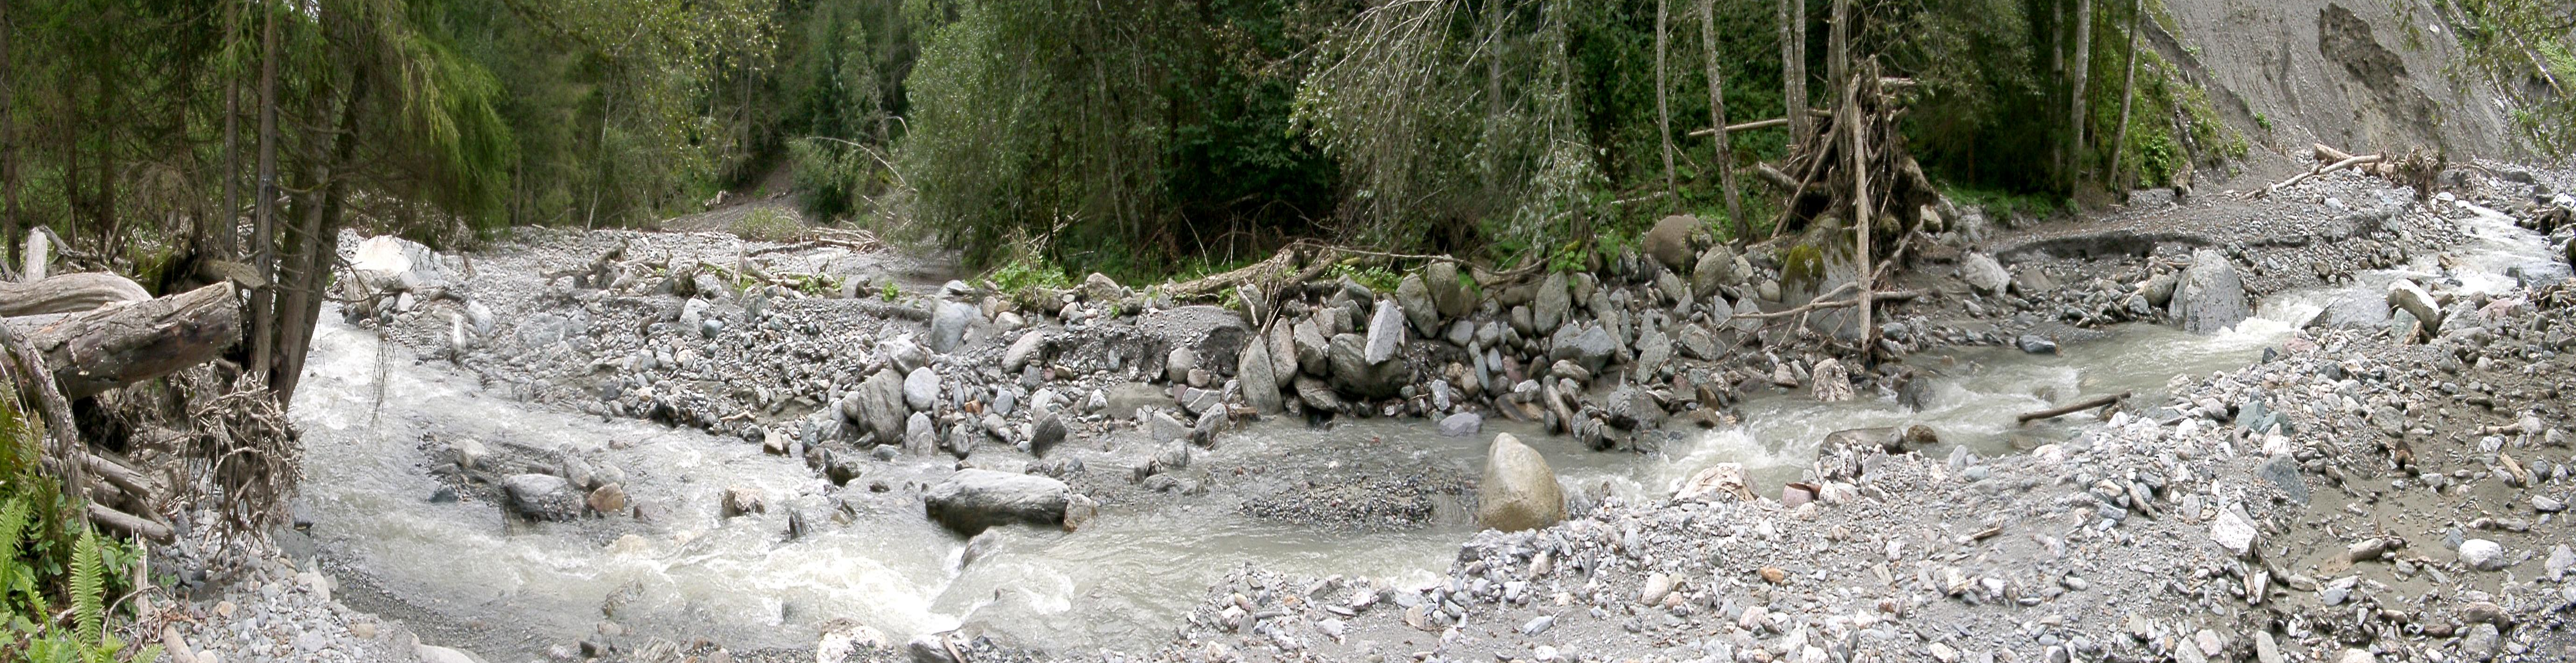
(1519, 490)
(541, 497)
(973, 500)
(2210, 297)
(877, 406)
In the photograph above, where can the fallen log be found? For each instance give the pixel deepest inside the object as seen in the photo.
(106, 348)
(1819, 303)
(68, 293)
(2071, 408)
(128, 523)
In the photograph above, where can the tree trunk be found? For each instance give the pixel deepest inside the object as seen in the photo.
(2077, 76)
(1717, 118)
(1493, 97)
(2128, 90)
(1793, 68)
(1838, 45)
(8, 149)
(300, 304)
(1663, 109)
(67, 293)
(225, 227)
(1863, 216)
(263, 240)
(105, 348)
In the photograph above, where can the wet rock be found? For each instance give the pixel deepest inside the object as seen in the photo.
(1669, 242)
(2158, 290)
(2404, 295)
(948, 322)
(1048, 432)
(2210, 297)
(1519, 491)
(877, 406)
(1317, 395)
(1353, 373)
(1449, 296)
(607, 499)
(972, 500)
(1463, 424)
(541, 497)
(1415, 298)
(2483, 555)
(740, 500)
(921, 389)
(1832, 381)
(1165, 428)
(1983, 273)
(1253, 376)
(2036, 344)
(1723, 480)
(1023, 351)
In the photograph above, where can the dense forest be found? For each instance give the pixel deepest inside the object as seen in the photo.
(174, 138)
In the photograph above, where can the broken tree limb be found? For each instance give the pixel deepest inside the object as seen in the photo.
(1775, 178)
(1820, 304)
(111, 347)
(2071, 408)
(68, 293)
(2346, 162)
(132, 524)
(1743, 126)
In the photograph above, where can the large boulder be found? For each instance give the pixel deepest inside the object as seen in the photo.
(1983, 273)
(1385, 331)
(2404, 295)
(1519, 491)
(972, 500)
(948, 322)
(2210, 297)
(1253, 376)
(1669, 242)
(1448, 296)
(1716, 269)
(1415, 297)
(1354, 373)
(1548, 307)
(1313, 349)
(393, 264)
(876, 406)
(541, 497)
(1213, 333)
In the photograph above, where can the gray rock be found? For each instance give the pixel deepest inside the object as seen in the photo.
(1204, 432)
(921, 389)
(1283, 355)
(2210, 297)
(1385, 331)
(1178, 364)
(1215, 333)
(1164, 428)
(877, 406)
(1697, 342)
(1024, 350)
(948, 322)
(1046, 433)
(1653, 349)
(1462, 424)
(1548, 308)
(1716, 270)
(920, 435)
(1317, 395)
(2158, 289)
(1983, 273)
(1253, 376)
(2482, 642)
(542, 497)
(2404, 295)
(904, 354)
(1589, 346)
(975, 499)
(1313, 349)
(2036, 344)
(2232, 532)
(1352, 372)
(2283, 472)
(2561, 559)
(1669, 242)
(1519, 491)
(1415, 297)
(1449, 296)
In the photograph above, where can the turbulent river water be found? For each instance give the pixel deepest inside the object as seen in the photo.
(375, 418)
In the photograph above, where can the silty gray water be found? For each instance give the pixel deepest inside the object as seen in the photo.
(1123, 581)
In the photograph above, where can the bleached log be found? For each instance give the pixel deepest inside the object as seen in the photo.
(110, 347)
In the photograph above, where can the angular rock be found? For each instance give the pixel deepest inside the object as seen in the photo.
(1653, 349)
(1253, 376)
(1415, 297)
(1046, 433)
(1588, 346)
(1312, 348)
(1697, 342)
(2209, 297)
(1548, 308)
(1352, 372)
(1519, 491)
(1832, 383)
(2483, 555)
(2232, 532)
(1723, 480)
(2158, 289)
(1385, 331)
(1462, 424)
(1716, 270)
(2404, 295)
(973, 500)
(741, 500)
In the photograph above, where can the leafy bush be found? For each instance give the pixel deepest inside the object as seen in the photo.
(48, 562)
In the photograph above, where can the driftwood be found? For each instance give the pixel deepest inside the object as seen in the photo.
(2071, 408)
(114, 346)
(67, 293)
(1821, 303)
(2414, 169)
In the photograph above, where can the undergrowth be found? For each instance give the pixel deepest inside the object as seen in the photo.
(56, 573)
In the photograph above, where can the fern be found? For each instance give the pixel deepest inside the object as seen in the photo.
(88, 589)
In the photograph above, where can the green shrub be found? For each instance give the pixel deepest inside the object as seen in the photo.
(49, 562)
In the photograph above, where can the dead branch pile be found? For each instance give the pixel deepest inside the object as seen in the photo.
(2416, 169)
(1821, 166)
